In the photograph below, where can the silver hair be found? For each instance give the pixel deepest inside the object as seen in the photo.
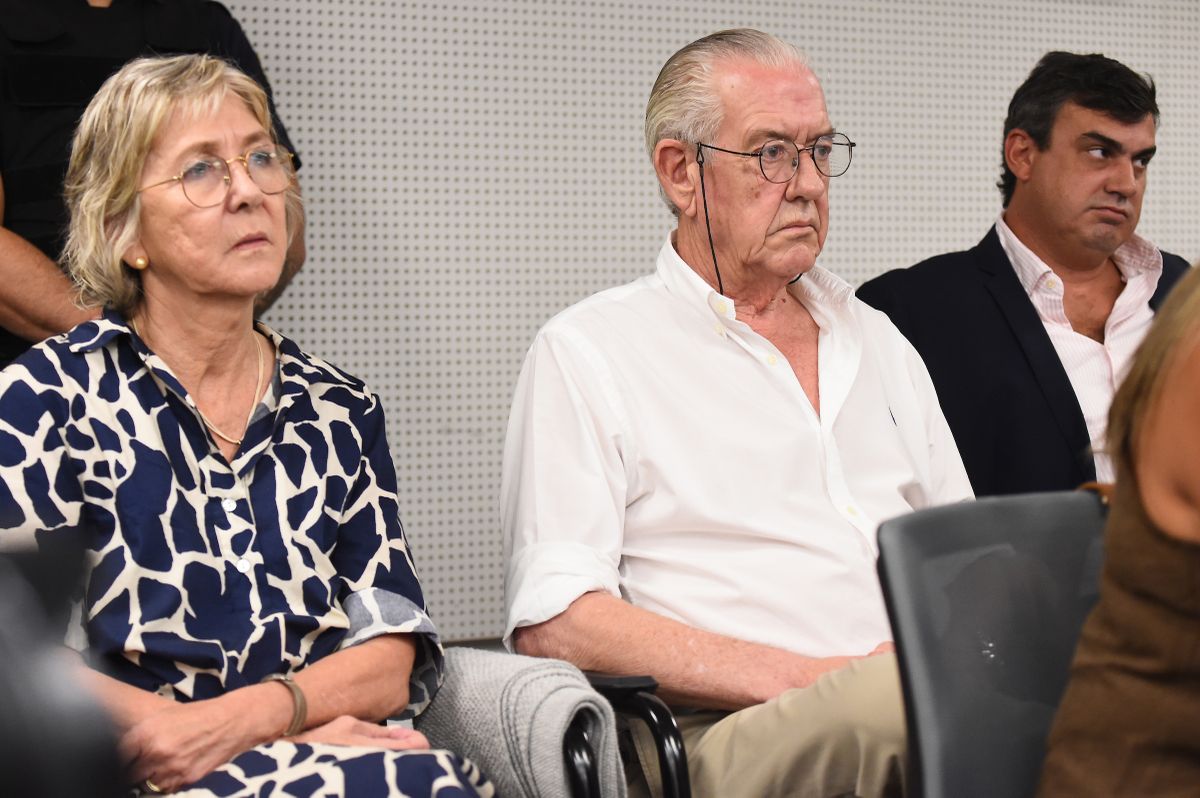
(684, 105)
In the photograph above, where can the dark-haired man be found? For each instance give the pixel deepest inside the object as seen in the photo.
(1028, 334)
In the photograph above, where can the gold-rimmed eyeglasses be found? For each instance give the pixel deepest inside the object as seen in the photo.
(206, 181)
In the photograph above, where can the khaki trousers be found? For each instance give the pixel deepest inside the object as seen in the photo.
(842, 736)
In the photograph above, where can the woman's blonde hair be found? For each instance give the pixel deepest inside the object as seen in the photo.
(1176, 327)
(114, 137)
(684, 104)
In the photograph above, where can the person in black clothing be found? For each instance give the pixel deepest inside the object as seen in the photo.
(1028, 334)
(54, 54)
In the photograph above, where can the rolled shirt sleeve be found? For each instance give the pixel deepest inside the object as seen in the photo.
(565, 480)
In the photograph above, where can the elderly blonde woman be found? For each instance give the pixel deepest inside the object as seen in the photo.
(250, 609)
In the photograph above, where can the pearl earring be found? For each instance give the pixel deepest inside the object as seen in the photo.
(140, 263)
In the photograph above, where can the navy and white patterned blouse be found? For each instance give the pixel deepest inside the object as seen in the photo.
(206, 575)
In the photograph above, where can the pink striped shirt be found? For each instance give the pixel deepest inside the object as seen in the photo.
(1095, 369)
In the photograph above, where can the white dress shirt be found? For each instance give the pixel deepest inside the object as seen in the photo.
(662, 451)
(1095, 369)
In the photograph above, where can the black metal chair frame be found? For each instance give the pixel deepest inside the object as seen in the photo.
(632, 696)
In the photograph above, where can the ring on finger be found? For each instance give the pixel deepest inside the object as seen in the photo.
(150, 786)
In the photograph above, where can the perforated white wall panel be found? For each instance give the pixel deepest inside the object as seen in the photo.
(471, 168)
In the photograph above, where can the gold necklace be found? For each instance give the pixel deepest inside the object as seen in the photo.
(253, 404)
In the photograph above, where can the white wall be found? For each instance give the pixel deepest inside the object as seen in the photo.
(472, 167)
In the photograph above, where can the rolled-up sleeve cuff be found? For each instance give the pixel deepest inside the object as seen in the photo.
(374, 612)
(544, 578)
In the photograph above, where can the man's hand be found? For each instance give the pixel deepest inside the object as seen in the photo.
(601, 632)
(352, 731)
(806, 671)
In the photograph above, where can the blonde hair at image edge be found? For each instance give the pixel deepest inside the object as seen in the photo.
(1176, 327)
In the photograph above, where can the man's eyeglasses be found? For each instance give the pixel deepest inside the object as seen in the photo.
(206, 182)
(779, 159)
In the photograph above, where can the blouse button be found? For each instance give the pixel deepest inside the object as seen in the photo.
(243, 565)
(228, 505)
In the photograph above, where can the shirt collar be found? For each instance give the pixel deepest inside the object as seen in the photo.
(1135, 257)
(95, 334)
(298, 373)
(111, 327)
(818, 285)
(297, 370)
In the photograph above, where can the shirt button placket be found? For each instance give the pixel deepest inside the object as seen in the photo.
(229, 505)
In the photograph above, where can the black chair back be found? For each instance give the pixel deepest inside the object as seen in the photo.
(55, 740)
(986, 600)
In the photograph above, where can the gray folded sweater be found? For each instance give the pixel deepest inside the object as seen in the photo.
(509, 714)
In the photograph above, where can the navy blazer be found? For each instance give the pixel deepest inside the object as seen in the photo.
(1004, 391)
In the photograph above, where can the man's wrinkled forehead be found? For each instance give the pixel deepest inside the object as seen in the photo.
(772, 98)
(740, 71)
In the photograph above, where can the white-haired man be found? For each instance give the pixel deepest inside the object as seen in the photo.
(697, 462)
